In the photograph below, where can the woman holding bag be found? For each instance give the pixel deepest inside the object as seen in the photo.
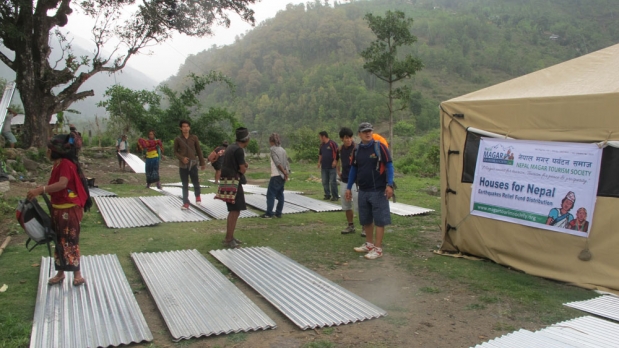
(68, 198)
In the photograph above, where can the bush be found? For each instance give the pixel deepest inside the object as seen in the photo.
(253, 147)
(305, 143)
(404, 128)
(423, 158)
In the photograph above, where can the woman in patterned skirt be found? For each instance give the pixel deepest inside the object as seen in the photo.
(68, 198)
(154, 151)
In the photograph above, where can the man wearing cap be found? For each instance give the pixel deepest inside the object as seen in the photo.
(187, 150)
(327, 161)
(372, 169)
(234, 167)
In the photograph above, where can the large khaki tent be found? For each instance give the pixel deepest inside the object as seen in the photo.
(575, 101)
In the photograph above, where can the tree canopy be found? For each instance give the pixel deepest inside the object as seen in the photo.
(138, 112)
(122, 27)
(381, 57)
(303, 68)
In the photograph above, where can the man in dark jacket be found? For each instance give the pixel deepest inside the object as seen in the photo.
(187, 150)
(327, 161)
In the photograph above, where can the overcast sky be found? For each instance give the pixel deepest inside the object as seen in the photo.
(168, 56)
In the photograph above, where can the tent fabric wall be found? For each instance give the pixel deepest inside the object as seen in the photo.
(575, 101)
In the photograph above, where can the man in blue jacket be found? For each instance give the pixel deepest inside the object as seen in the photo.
(372, 170)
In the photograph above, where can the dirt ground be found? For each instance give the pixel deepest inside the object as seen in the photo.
(416, 317)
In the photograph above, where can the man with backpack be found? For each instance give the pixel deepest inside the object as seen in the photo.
(372, 169)
(327, 161)
(187, 150)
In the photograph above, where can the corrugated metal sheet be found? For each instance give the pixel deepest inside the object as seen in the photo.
(407, 210)
(180, 184)
(194, 298)
(213, 207)
(7, 95)
(308, 299)
(584, 332)
(101, 313)
(125, 212)
(168, 208)
(97, 192)
(260, 202)
(523, 339)
(134, 162)
(311, 203)
(263, 191)
(604, 306)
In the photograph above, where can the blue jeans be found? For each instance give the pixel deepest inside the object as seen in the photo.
(329, 182)
(275, 191)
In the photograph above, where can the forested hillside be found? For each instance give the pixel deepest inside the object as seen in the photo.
(302, 68)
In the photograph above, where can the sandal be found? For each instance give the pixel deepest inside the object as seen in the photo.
(237, 241)
(79, 281)
(55, 280)
(231, 244)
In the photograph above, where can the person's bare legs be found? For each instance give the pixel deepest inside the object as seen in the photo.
(380, 232)
(349, 216)
(233, 216)
(217, 176)
(369, 233)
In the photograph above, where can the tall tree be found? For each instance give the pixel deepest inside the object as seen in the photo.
(140, 111)
(381, 58)
(122, 27)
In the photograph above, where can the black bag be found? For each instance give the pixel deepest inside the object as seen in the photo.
(37, 223)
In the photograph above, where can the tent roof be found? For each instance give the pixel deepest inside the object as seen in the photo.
(594, 73)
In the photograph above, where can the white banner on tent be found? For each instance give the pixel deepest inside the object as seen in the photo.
(549, 185)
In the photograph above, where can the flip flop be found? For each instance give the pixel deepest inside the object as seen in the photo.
(79, 281)
(55, 280)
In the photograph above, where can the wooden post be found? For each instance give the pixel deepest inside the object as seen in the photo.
(6, 242)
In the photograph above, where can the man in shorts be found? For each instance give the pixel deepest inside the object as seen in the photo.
(343, 169)
(233, 167)
(372, 169)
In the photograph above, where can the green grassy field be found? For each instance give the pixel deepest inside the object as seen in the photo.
(312, 239)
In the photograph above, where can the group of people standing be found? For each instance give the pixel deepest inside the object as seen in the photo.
(367, 165)
(366, 175)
